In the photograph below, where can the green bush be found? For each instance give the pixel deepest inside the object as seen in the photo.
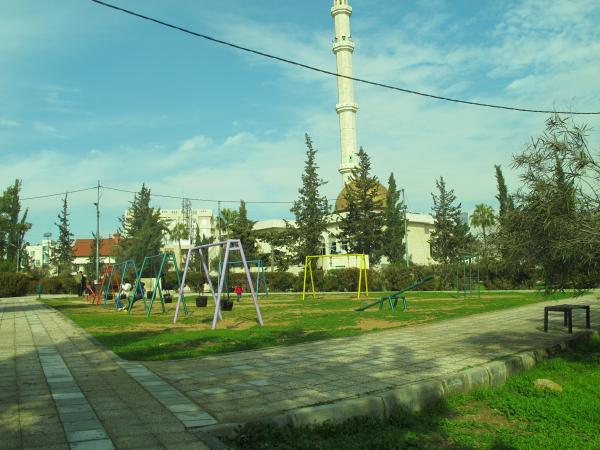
(282, 281)
(13, 284)
(56, 285)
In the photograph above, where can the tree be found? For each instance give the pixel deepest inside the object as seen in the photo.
(394, 247)
(225, 223)
(177, 233)
(311, 211)
(142, 229)
(62, 258)
(91, 264)
(483, 217)
(242, 229)
(556, 214)
(12, 227)
(505, 200)
(450, 236)
(362, 222)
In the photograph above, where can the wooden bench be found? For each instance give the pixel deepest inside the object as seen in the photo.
(567, 311)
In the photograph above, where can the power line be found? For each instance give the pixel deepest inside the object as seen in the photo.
(327, 72)
(36, 197)
(207, 200)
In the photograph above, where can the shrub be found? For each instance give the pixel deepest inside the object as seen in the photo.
(13, 284)
(282, 281)
(56, 285)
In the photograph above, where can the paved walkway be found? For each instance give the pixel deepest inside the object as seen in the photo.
(241, 386)
(58, 389)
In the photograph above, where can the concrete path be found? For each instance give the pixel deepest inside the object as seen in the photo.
(243, 386)
(58, 389)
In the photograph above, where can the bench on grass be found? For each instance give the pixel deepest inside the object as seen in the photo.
(567, 311)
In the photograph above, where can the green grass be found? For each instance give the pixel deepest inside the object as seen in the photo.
(515, 416)
(288, 320)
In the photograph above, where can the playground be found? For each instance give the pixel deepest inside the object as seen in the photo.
(287, 320)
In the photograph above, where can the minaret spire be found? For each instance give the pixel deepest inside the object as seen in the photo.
(343, 46)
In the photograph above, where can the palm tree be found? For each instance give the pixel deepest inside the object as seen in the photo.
(177, 233)
(483, 217)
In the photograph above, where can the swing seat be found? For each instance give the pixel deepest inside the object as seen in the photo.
(226, 305)
(109, 296)
(202, 301)
(149, 295)
(138, 296)
(167, 298)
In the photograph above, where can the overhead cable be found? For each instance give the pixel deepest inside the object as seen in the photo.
(327, 72)
(36, 197)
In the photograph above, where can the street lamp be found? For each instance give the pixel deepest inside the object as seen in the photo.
(405, 227)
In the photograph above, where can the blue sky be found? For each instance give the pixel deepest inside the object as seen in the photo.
(87, 93)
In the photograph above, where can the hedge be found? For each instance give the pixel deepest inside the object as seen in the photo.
(13, 284)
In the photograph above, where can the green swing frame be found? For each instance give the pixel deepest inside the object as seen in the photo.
(261, 275)
(119, 271)
(149, 261)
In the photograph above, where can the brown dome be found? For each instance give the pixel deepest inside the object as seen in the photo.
(341, 204)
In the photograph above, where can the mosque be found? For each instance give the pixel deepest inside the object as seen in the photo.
(419, 226)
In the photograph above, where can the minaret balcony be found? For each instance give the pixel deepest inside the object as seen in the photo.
(341, 9)
(345, 43)
(346, 106)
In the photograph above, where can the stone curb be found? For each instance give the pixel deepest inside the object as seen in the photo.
(413, 398)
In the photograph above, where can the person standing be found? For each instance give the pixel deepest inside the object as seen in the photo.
(238, 291)
(80, 283)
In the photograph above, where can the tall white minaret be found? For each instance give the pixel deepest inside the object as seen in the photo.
(343, 46)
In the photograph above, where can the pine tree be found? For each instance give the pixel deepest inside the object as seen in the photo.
(12, 228)
(242, 229)
(142, 229)
(394, 247)
(362, 222)
(450, 236)
(63, 253)
(311, 210)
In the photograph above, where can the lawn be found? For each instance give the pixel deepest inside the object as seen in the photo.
(288, 320)
(514, 416)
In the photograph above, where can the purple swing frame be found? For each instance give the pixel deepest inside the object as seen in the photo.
(230, 244)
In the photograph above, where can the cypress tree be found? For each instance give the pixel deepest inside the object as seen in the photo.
(363, 220)
(310, 210)
(393, 246)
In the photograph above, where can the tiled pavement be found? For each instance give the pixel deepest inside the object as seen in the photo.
(58, 390)
(239, 386)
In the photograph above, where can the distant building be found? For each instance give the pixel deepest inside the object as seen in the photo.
(82, 251)
(40, 254)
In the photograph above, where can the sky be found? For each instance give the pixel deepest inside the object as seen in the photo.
(88, 94)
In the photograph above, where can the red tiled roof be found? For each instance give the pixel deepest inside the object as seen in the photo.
(83, 247)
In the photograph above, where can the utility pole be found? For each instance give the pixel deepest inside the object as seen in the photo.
(97, 231)
(405, 228)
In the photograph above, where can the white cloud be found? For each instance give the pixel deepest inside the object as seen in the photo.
(8, 123)
(195, 144)
(45, 128)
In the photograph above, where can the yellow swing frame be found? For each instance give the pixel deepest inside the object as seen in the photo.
(362, 269)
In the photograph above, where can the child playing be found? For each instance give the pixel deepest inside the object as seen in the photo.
(238, 291)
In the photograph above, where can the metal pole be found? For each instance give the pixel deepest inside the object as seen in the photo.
(405, 228)
(98, 232)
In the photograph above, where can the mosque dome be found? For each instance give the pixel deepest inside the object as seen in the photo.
(341, 204)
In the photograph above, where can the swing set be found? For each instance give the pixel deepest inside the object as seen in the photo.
(261, 275)
(362, 271)
(202, 250)
(118, 275)
(158, 266)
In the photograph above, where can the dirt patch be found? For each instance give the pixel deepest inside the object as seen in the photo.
(370, 324)
(488, 416)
